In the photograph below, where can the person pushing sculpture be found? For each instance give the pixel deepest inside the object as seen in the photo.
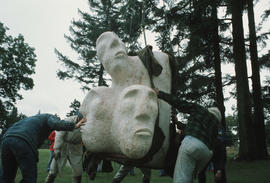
(21, 143)
(200, 137)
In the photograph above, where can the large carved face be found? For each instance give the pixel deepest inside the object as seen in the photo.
(110, 51)
(134, 120)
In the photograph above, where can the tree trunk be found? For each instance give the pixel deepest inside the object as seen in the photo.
(196, 19)
(259, 126)
(217, 66)
(246, 134)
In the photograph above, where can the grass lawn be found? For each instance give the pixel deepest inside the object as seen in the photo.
(237, 172)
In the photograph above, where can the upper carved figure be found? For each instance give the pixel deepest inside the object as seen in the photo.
(125, 70)
(121, 118)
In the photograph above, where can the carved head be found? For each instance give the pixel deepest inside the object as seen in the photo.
(110, 50)
(134, 120)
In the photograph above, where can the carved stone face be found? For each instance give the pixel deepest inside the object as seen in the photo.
(110, 50)
(134, 120)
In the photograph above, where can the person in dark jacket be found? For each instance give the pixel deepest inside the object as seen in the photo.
(200, 137)
(22, 140)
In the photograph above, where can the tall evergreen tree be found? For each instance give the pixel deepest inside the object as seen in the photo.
(173, 26)
(256, 85)
(247, 146)
(195, 21)
(215, 42)
(84, 33)
(121, 18)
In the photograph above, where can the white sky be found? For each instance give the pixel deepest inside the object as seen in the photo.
(43, 24)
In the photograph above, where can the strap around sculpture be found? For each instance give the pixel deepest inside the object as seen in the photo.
(154, 68)
(149, 61)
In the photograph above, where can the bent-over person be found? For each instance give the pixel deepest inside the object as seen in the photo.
(21, 143)
(200, 137)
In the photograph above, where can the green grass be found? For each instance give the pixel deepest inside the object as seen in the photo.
(237, 172)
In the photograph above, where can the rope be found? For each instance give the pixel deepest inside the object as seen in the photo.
(143, 23)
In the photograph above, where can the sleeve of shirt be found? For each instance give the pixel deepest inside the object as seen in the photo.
(181, 105)
(52, 136)
(60, 125)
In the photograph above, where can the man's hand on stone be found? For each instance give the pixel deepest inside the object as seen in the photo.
(81, 123)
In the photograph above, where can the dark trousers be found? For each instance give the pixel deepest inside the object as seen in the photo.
(17, 153)
(202, 177)
(125, 169)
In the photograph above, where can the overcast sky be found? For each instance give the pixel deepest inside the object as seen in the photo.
(43, 24)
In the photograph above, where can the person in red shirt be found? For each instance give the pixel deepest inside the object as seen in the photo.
(51, 139)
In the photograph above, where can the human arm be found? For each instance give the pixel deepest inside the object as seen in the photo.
(81, 123)
(61, 136)
(62, 125)
(179, 104)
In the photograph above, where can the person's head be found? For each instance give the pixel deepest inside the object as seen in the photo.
(215, 111)
(134, 120)
(110, 49)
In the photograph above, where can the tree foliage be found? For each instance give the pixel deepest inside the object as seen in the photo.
(102, 16)
(74, 106)
(232, 131)
(17, 64)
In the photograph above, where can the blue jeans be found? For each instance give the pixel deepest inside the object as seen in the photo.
(193, 155)
(17, 153)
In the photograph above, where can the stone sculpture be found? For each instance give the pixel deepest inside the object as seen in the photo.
(121, 119)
